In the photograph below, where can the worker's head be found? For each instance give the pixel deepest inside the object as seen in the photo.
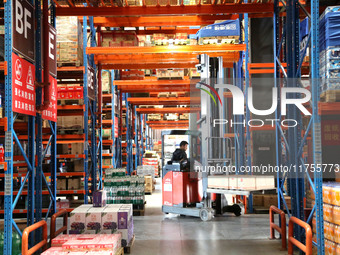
(183, 145)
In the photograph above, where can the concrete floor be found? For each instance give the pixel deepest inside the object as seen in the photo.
(157, 233)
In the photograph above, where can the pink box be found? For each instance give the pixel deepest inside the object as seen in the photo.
(55, 251)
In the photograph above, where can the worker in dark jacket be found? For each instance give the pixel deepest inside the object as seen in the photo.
(179, 154)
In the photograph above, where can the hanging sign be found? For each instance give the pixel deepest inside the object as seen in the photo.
(116, 127)
(51, 112)
(52, 50)
(23, 28)
(90, 83)
(23, 88)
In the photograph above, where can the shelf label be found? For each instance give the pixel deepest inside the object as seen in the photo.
(51, 112)
(90, 82)
(23, 78)
(23, 28)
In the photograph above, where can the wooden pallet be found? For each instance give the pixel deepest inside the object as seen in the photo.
(330, 96)
(139, 212)
(70, 101)
(120, 251)
(128, 248)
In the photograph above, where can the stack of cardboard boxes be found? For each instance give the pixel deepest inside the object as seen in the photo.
(115, 218)
(69, 40)
(119, 39)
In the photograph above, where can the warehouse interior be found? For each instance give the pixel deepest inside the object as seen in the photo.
(169, 126)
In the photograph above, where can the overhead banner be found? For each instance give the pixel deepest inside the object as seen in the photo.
(23, 28)
(23, 88)
(51, 112)
(90, 83)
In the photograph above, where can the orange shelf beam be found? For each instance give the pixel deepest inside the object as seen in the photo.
(107, 122)
(166, 49)
(107, 155)
(207, 9)
(168, 110)
(3, 123)
(107, 142)
(70, 107)
(163, 101)
(71, 156)
(139, 86)
(167, 122)
(157, 21)
(170, 127)
(71, 69)
(124, 145)
(105, 167)
(18, 211)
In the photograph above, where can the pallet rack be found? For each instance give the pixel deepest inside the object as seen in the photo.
(79, 9)
(294, 141)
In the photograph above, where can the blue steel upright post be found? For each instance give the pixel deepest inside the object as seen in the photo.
(316, 133)
(39, 146)
(86, 112)
(8, 217)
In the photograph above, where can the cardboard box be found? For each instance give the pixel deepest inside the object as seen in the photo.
(78, 219)
(78, 165)
(73, 183)
(110, 219)
(258, 200)
(107, 162)
(246, 182)
(61, 184)
(233, 182)
(93, 222)
(218, 181)
(99, 198)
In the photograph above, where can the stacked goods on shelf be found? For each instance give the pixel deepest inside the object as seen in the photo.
(106, 82)
(70, 92)
(167, 94)
(154, 116)
(144, 40)
(109, 219)
(164, 40)
(304, 28)
(330, 54)
(225, 32)
(145, 171)
(241, 182)
(171, 116)
(85, 244)
(184, 116)
(157, 147)
(331, 216)
(132, 75)
(193, 73)
(119, 39)
(175, 73)
(75, 123)
(149, 184)
(151, 158)
(70, 41)
(2, 43)
(123, 189)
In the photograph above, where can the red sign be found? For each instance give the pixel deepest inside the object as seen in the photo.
(23, 94)
(330, 132)
(116, 127)
(51, 112)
